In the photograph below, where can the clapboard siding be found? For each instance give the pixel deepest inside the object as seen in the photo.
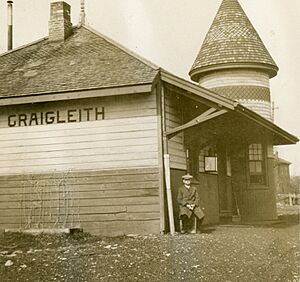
(112, 228)
(89, 202)
(50, 196)
(78, 152)
(71, 160)
(86, 131)
(82, 145)
(88, 178)
(120, 114)
(73, 129)
(80, 199)
(125, 138)
(115, 106)
(91, 185)
(103, 177)
(149, 226)
(175, 144)
(83, 166)
(96, 172)
(95, 210)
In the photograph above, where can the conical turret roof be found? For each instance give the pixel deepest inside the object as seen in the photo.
(232, 42)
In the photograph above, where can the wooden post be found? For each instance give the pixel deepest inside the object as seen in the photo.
(290, 199)
(187, 153)
(167, 164)
(169, 193)
(160, 123)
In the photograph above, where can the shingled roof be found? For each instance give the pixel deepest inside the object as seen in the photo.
(232, 41)
(86, 60)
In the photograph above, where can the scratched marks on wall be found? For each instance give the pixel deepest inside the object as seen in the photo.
(49, 202)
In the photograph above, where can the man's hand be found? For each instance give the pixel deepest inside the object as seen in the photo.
(190, 206)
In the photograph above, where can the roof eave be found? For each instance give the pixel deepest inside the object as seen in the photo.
(197, 72)
(286, 137)
(197, 90)
(77, 94)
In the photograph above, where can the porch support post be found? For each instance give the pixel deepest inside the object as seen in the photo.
(169, 193)
(160, 122)
(167, 166)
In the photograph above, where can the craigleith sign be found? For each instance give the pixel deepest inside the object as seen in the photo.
(50, 117)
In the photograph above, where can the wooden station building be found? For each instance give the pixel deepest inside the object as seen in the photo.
(91, 134)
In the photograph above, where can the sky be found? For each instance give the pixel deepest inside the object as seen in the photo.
(170, 33)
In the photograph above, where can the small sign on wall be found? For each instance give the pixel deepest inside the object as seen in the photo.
(210, 164)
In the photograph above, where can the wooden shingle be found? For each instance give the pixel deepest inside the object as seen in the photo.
(232, 40)
(86, 60)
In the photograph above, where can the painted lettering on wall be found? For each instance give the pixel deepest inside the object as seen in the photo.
(67, 116)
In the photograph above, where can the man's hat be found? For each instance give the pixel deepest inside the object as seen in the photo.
(187, 176)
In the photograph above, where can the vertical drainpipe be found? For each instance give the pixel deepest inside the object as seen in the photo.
(10, 25)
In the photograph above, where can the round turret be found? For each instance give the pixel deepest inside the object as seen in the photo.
(234, 62)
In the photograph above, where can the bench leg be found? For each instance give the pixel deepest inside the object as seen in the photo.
(194, 228)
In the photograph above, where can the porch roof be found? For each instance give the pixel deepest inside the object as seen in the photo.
(203, 95)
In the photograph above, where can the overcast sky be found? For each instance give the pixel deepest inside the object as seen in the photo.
(170, 32)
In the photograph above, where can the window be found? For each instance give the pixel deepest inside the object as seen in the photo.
(256, 164)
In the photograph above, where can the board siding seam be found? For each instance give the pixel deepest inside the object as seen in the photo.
(81, 174)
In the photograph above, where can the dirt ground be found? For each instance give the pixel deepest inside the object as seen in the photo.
(219, 253)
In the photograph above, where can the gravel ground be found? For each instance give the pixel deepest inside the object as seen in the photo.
(219, 253)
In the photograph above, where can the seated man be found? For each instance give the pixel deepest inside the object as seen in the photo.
(189, 205)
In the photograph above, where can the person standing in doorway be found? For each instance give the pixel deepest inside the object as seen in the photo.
(189, 205)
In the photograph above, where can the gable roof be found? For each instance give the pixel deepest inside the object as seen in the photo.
(232, 40)
(86, 60)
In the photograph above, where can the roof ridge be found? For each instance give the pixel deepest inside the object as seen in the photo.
(120, 46)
